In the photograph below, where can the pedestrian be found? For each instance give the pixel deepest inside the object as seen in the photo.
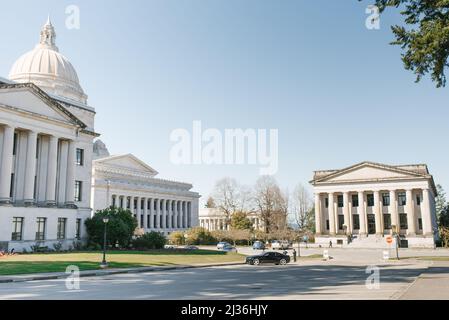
(330, 244)
(294, 255)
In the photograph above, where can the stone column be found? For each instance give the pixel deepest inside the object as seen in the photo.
(331, 211)
(426, 215)
(6, 164)
(164, 214)
(377, 213)
(50, 192)
(131, 205)
(362, 213)
(70, 183)
(138, 212)
(411, 231)
(145, 213)
(30, 171)
(393, 208)
(185, 214)
(124, 200)
(346, 210)
(158, 212)
(318, 216)
(351, 222)
(152, 226)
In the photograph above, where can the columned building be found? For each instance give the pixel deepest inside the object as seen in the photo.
(369, 200)
(46, 138)
(212, 219)
(126, 182)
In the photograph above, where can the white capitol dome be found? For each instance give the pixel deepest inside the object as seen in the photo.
(48, 69)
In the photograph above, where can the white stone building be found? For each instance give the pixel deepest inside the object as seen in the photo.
(213, 219)
(125, 181)
(46, 138)
(367, 199)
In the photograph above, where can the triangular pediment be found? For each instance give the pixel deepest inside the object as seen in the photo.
(127, 162)
(368, 171)
(30, 99)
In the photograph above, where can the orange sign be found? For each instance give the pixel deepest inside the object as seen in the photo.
(389, 239)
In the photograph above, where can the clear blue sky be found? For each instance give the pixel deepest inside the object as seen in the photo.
(336, 91)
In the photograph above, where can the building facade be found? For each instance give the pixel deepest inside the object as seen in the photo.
(213, 219)
(46, 138)
(125, 181)
(368, 201)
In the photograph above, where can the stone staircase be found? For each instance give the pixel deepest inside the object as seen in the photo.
(370, 241)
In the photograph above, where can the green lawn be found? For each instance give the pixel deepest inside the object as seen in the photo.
(58, 262)
(424, 258)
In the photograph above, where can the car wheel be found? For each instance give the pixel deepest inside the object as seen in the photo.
(283, 262)
(256, 262)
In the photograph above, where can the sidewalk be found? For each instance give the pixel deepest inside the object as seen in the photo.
(99, 273)
(433, 284)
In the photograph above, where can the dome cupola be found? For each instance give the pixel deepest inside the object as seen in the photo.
(48, 69)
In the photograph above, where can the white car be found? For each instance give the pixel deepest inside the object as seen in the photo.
(222, 244)
(280, 245)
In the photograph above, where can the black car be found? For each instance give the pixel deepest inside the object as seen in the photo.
(268, 257)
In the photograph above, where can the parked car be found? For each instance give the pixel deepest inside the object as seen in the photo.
(258, 245)
(229, 248)
(280, 244)
(268, 257)
(169, 246)
(191, 248)
(222, 244)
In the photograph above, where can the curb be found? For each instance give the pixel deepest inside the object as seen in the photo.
(97, 273)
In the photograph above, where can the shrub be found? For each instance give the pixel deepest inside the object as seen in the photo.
(151, 240)
(120, 228)
(177, 238)
(198, 236)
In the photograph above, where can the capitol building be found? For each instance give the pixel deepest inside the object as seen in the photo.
(51, 179)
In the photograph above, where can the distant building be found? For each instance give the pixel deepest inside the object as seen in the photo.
(125, 181)
(213, 219)
(367, 199)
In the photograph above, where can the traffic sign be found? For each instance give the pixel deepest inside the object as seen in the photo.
(389, 239)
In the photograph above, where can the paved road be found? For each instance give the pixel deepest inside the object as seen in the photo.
(343, 277)
(310, 281)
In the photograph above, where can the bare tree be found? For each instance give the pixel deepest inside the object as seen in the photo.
(229, 197)
(303, 208)
(271, 203)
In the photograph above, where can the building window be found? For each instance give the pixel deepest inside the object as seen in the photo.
(78, 229)
(387, 221)
(403, 221)
(402, 199)
(78, 190)
(14, 145)
(327, 224)
(370, 200)
(326, 202)
(17, 229)
(62, 223)
(11, 186)
(420, 224)
(418, 200)
(148, 221)
(141, 221)
(121, 202)
(355, 200)
(80, 157)
(40, 232)
(114, 201)
(340, 201)
(356, 221)
(341, 221)
(385, 199)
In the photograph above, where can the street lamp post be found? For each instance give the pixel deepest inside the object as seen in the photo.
(104, 264)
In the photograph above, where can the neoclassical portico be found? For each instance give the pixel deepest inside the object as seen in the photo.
(370, 199)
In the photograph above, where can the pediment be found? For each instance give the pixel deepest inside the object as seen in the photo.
(127, 162)
(33, 101)
(367, 171)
